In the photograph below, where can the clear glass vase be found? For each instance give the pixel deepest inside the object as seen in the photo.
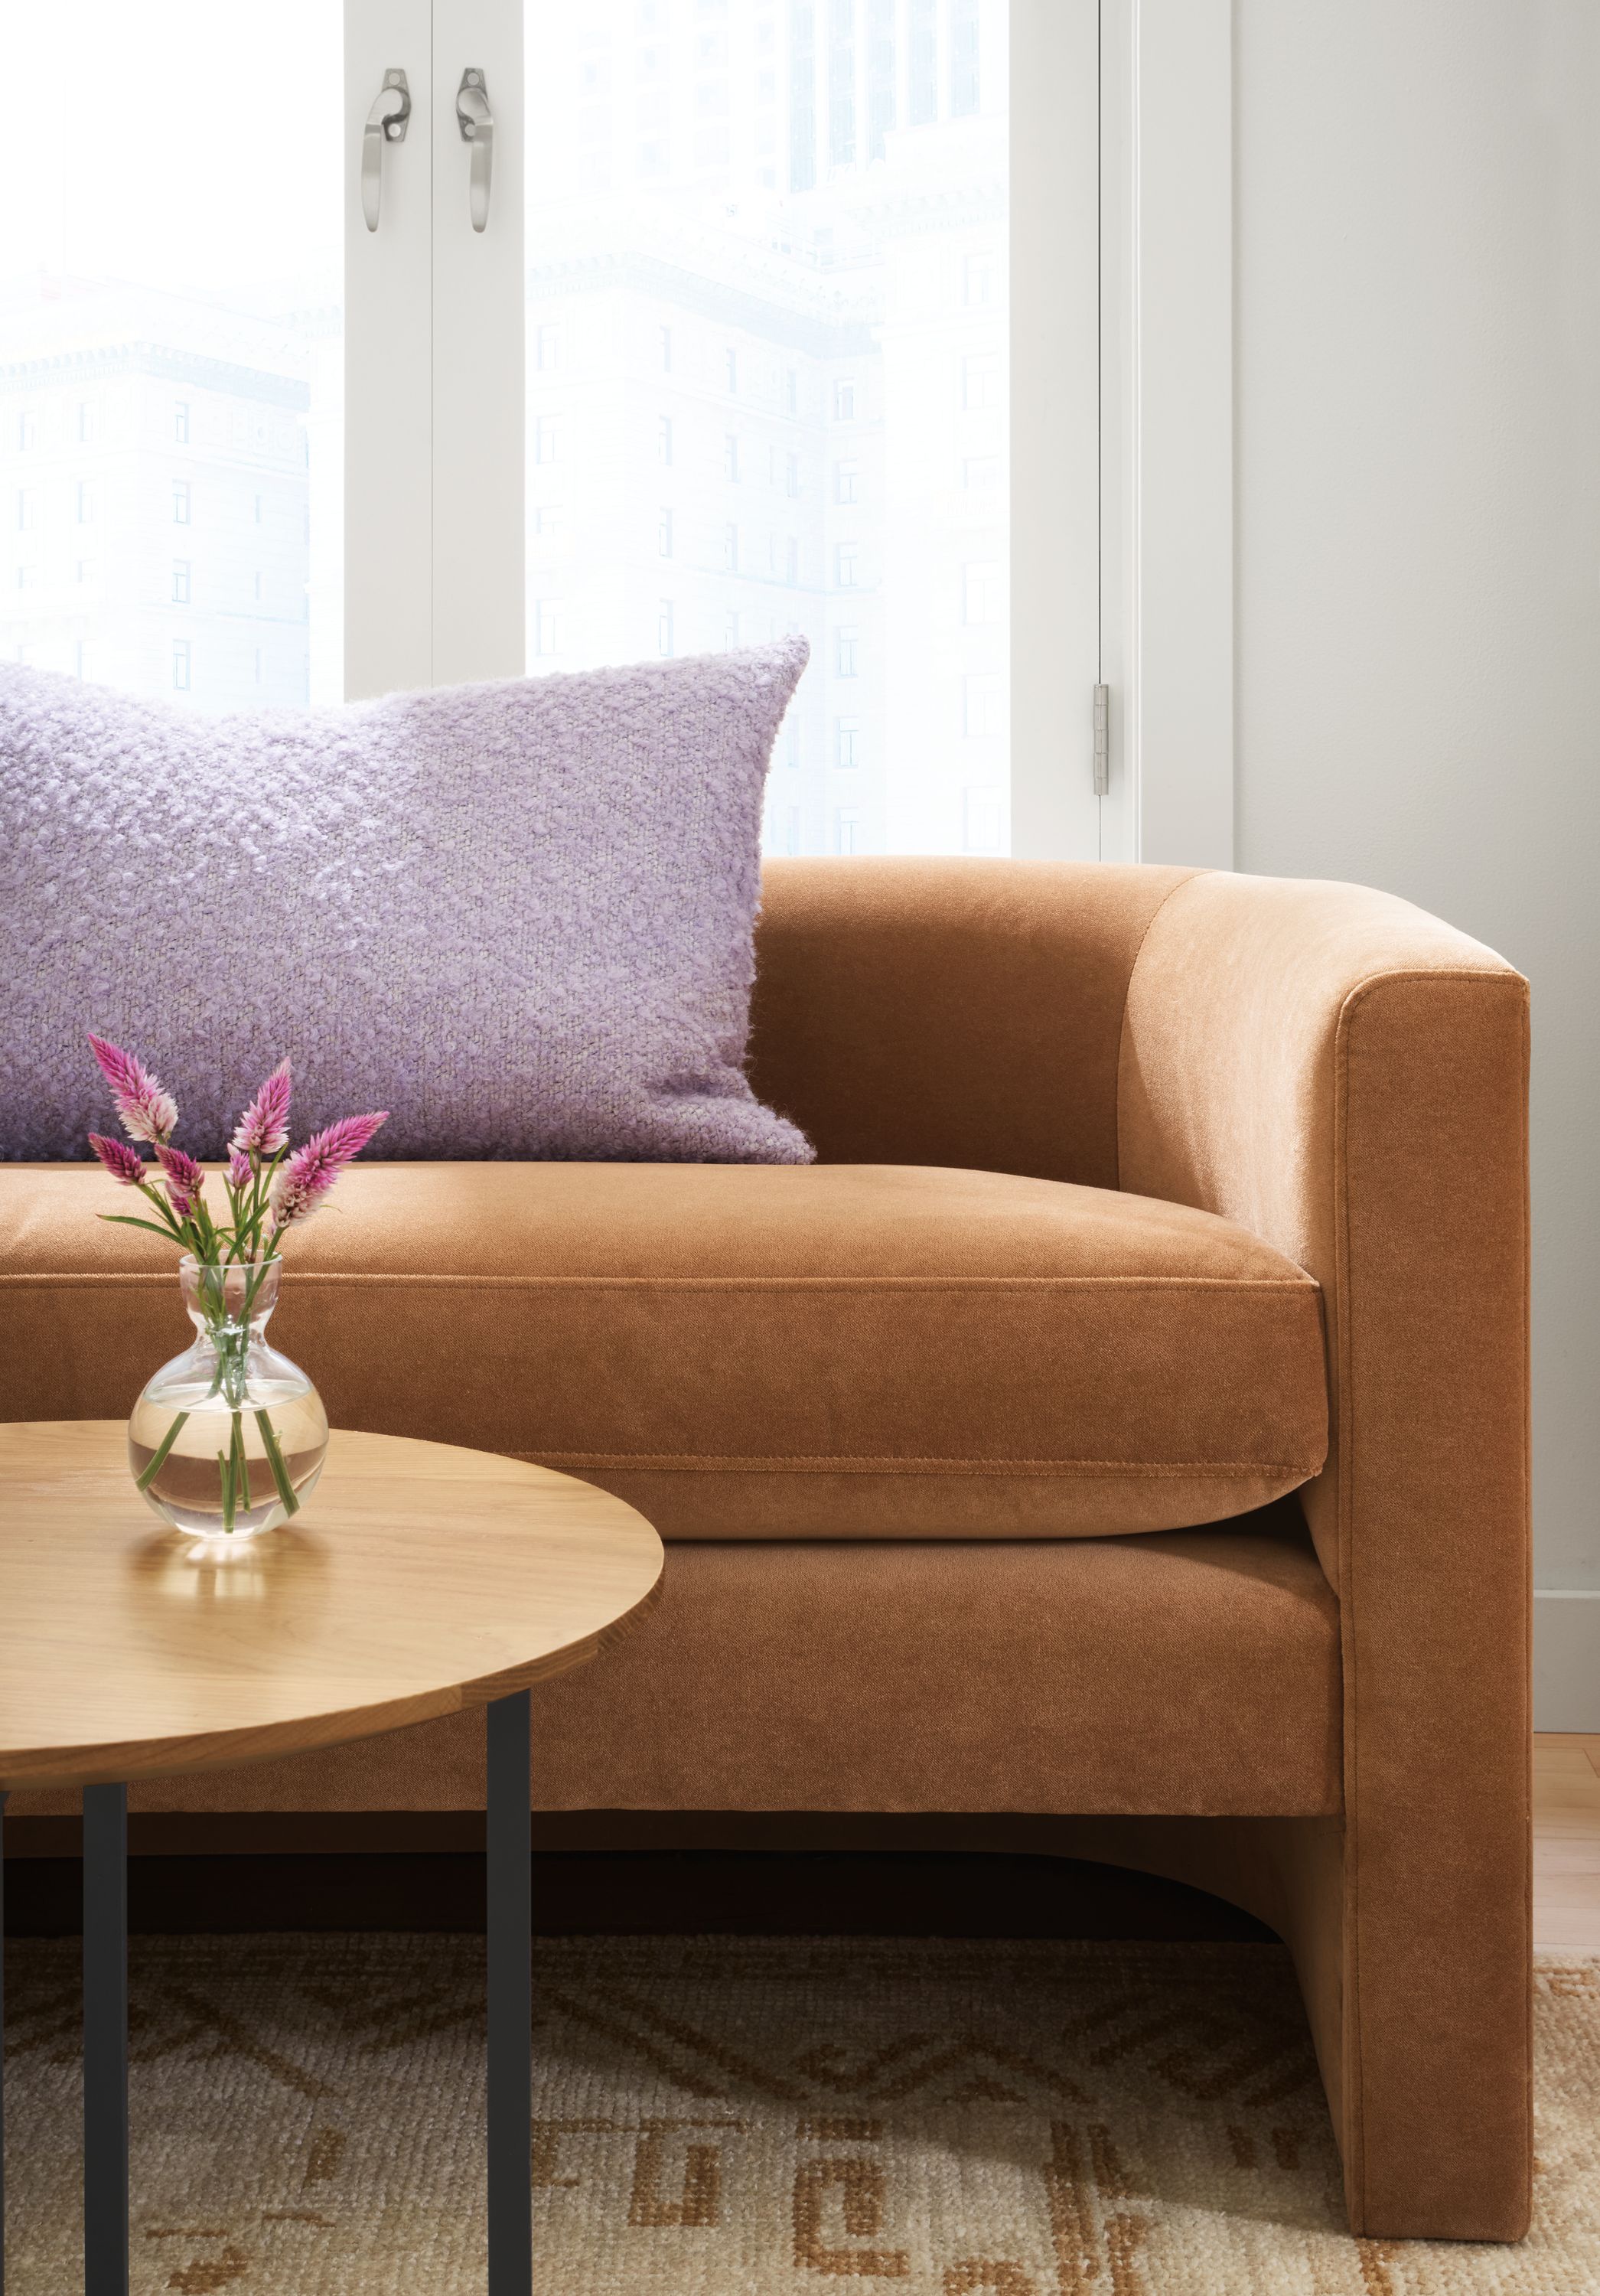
(229, 1439)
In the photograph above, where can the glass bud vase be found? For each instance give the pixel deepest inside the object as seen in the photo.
(229, 1439)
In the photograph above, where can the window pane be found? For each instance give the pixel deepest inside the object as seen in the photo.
(769, 238)
(171, 347)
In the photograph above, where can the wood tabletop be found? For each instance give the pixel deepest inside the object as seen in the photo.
(422, 1578)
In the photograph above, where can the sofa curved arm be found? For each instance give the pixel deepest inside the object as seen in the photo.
(1347, 1077)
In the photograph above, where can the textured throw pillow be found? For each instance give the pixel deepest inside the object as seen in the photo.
(518, 917)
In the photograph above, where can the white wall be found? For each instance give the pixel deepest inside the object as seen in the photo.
(1418, 602)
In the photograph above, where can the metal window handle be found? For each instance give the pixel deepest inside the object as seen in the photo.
(385, 124)
(477, 128)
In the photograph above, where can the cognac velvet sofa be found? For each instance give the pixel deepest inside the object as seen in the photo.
(1117, 1436)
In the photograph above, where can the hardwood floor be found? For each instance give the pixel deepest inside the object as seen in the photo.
(1566, 1843)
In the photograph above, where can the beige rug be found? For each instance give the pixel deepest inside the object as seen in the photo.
(737, 2117)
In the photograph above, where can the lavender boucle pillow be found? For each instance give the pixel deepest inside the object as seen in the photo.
(518, 916)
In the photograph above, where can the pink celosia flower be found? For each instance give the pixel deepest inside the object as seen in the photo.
(146, 1108)
(122, 1162)
(185, 1178)
(263, 1126)
(239, 1171)
(311, 1171)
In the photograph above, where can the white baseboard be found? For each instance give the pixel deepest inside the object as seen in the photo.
(1566, 1659)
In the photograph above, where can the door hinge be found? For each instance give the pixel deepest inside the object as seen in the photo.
(1103, 740)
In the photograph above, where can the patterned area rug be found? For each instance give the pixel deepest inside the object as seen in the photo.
(725, 2116)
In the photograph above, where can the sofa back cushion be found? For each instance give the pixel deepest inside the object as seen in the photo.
(950, 1012)
(516, 915)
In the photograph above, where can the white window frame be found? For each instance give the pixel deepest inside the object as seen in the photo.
(1154, 153)
(1122, 552)
(434, 580)
(1167, 400)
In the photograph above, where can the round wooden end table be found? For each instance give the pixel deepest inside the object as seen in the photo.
(423, 1578)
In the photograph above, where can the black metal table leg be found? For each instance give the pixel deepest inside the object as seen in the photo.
(510, 1879)
(105, 2040)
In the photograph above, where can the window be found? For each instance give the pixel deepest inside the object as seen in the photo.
(980, 380)
(180, 582)
(982, 701)
(982, 593)
(825, 319)
(847, 738)
(28, 577)
(79, 654)
(983, 820)
(181, 665)
(910, 228)
(28, 431)
(730, 631)
(180, 502)
(28, 508)
(163, 362)
(791, 829)
(964, 57)
(258, 585)
(846, 825)
(257, 679)
(549, 622)
(663, 535)
(664, 627)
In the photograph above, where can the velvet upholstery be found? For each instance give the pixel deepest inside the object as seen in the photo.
(1331, 1074)
(753, 1351)
(1188, 1671)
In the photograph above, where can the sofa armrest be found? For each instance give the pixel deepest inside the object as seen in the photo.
(1347, 1077)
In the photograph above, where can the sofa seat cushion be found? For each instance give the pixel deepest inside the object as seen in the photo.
(858, 1351)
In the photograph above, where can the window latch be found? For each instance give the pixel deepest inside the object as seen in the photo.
(386, 123)
(477, 126)
(1103, 741)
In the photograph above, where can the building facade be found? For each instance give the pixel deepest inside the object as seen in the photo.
(153, 489)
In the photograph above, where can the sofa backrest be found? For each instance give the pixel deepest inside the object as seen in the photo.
(950, 1012)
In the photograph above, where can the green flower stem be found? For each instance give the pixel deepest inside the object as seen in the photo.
(241, 1464)
(160, 1459)
(225, 1465)
(274, 1460)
